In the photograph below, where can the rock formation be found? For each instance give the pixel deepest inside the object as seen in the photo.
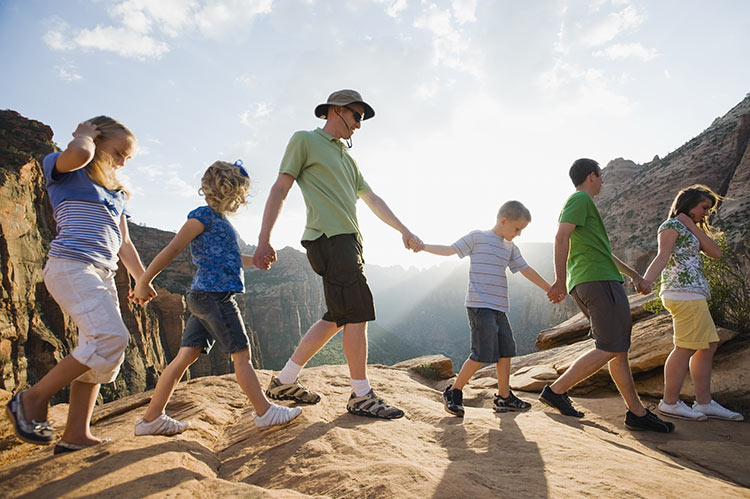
(635, 199)
(34, 333)
(330, 453)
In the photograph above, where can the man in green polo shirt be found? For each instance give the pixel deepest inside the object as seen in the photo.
(331, 183)
(583, 254)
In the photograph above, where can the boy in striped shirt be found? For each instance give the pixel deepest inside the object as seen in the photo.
(490, 252)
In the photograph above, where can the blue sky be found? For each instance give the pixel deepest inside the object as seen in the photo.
(476, 102)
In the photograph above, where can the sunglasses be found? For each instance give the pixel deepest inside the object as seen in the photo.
(238, 164)
(357, 116)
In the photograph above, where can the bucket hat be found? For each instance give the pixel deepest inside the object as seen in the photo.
(343, 98)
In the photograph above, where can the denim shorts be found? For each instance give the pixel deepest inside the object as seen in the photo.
(215, 318)
(606, 305)
(491, 336)
(338, 259)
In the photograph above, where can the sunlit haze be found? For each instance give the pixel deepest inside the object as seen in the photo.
(477, 102)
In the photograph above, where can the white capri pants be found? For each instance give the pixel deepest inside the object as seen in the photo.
(88, 294)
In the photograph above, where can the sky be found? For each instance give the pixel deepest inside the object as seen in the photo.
(477, 101)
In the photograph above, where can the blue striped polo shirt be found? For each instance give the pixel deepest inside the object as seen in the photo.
(490, 254)
(87, 216)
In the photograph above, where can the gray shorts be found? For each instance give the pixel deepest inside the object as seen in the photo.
(491, 336)
(215, 317)
(606, 305)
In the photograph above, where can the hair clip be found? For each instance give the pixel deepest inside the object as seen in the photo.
(239, 164)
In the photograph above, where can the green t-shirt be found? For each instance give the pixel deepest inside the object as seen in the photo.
(590, 256)
(330, 182)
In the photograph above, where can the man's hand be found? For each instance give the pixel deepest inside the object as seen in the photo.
(264, 256)
(642, 286)
(557, 292)
(411, 241)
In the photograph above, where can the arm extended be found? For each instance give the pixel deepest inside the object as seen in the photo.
(533, 276)
(667, 238)
(439, 249)
(384, 213)
(187, 233)
(265, 255)
(557, 291)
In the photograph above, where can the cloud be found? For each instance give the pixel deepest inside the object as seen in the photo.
(169, 178)
(259, 110)
(140, 29)
(464, 10)
(68, 72)
(451, 45)
(612, 25)
(624, 50)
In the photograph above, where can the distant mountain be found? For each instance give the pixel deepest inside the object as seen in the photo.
(426, 307)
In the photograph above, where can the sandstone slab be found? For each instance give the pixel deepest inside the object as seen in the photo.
(330, 453)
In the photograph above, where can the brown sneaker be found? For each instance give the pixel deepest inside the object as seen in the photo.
(371, 406)
(293, 391)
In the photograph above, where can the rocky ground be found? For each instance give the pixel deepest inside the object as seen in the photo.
(330, 453)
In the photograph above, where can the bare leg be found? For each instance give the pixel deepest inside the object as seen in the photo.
(619, 369)
(583, 367)
(355, 349)
(82, 400)
(314, 339)
(700, 371)
(168, 381)
(36, 399)
(503, 377)
(467, 371)
(675, 369)
(248, 381)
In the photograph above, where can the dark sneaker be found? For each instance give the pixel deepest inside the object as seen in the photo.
(561, 402)
(371, 406)
(293, 391)
(453, 401)
(650, 422)
(33, 432)
(512, 403)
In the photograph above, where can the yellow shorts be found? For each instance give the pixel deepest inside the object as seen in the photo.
(693, 326)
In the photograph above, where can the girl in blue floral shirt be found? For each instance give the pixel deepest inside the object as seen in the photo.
(684, 291)
(215, 315)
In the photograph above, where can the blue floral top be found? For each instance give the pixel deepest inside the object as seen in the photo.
(216, 253)
(684, 269)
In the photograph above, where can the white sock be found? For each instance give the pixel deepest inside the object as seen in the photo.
(361, 387)
(289, 374)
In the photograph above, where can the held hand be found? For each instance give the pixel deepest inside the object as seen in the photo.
(411, 241)
(264, 256)
(557, 292)
(86, 129)
(143, 293)
(642, 286)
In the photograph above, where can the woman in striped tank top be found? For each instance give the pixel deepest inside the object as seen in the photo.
(88, 202)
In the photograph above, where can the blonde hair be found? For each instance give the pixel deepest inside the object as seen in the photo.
(225, 187)
(514, 210)
(101, 168)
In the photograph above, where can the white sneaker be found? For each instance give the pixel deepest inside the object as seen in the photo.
(163, 425)
(277, 415)
(681, 410)
(715, 410)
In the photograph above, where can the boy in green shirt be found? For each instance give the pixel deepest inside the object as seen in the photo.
(583, 258)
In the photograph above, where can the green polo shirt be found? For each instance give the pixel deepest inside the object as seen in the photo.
(330, 182)
(590, 256)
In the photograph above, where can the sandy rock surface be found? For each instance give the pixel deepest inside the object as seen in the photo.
(330, 453)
